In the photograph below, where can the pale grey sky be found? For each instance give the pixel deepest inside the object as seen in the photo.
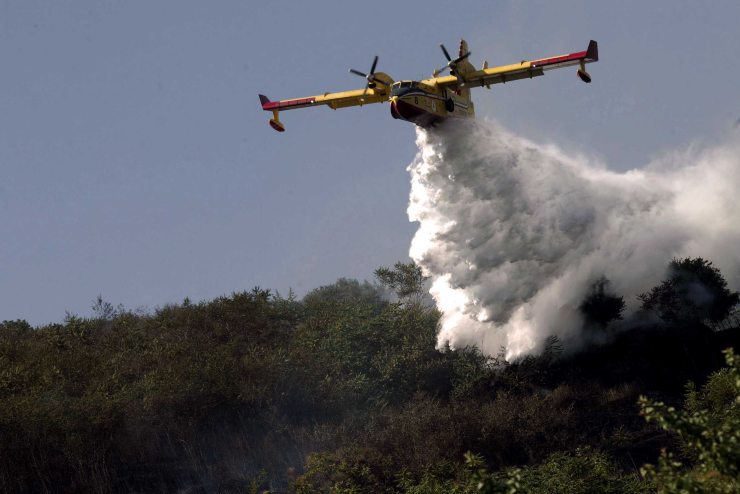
(136, 162)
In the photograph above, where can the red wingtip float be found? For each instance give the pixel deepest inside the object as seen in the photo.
(277, 125)
(275, 122)
(429, 101)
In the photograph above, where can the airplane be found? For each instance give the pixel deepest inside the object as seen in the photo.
(430, 101)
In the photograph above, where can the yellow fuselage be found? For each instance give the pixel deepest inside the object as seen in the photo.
(425, 104)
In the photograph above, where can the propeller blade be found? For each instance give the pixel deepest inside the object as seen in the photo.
(444, 50)
(357, 72)
(375, 63)
(364, 93)
(440, 70)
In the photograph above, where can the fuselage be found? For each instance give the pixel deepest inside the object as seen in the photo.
(426, 104)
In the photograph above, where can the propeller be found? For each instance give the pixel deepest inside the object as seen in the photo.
(370, 77)
(451, 64)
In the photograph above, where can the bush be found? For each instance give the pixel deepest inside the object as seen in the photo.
(582, 472)
(709, 429)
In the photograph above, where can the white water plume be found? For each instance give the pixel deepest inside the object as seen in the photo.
(513, 234)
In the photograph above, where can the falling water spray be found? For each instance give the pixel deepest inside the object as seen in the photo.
(513, 233)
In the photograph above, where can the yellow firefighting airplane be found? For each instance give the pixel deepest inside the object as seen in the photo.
(432, 100)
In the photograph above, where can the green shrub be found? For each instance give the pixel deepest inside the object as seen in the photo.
(709, 429)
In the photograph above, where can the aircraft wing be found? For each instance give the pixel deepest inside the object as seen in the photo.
(332, 100)
(357, 97)
(524, 69)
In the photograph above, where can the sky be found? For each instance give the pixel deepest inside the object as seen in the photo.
(137, 164)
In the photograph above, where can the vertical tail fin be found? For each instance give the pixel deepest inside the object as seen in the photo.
(592, 53)
(463, 48)
(264, 99)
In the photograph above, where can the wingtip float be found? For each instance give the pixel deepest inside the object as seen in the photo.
(429, 101)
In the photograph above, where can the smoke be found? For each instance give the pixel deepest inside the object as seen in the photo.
(514, 234)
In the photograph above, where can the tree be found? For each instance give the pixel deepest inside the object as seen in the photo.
(600, 307)
(18, 326)
(406, 279)
(695, 291)
(344, 291)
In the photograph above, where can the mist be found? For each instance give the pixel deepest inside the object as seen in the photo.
(513, 233)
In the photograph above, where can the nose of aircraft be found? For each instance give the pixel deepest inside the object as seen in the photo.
(394, 107)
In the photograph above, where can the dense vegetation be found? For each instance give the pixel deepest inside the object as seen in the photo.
(343, 391)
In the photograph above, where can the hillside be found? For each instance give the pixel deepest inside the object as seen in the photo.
(342, 391)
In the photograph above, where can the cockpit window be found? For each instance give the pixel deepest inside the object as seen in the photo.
(400, 88)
